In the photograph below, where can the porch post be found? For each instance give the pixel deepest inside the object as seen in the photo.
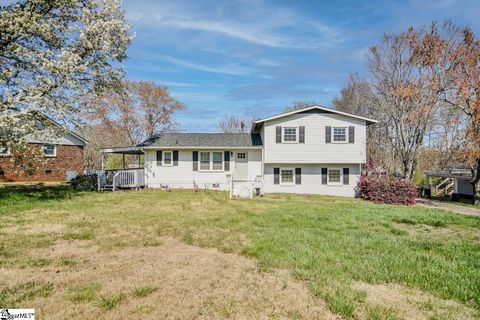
(123, 161)
(455, 195)
(103, 161)
(139, 162)
(428, 190)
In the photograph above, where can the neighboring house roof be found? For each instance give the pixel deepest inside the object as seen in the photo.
(256, 123)
(76, 135)
(205, 140)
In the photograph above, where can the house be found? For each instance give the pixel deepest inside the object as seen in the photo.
(62, 159)
(314, 150)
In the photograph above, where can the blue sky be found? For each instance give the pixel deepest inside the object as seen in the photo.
(256, 56)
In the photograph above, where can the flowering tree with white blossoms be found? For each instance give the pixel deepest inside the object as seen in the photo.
(51, 54)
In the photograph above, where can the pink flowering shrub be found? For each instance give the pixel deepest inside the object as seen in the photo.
(385, 189)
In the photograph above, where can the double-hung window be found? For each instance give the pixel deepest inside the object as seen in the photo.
(49, 150)
(334, 176)
(217, 161)
(339, 134)
(286, 176)
(211, 160)
(290, 134)
(167, 158)
(205, 161)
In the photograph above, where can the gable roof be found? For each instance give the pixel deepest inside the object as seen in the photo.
(73, 133)
(204, 140)
(44, 118)
(311, 108)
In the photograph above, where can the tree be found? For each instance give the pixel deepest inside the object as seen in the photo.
(401, 99)
(356, 97)
(51, 54)
(137, 112)
(157, 106)
(235, 124)
(300, 105)
(452, 57)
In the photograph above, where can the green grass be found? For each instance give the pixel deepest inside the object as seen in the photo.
(84, 293)
(21, 295)
(328, 242)
(381, 313)
(109, 302)
(82, 235)
(143, 291)
(68, 262)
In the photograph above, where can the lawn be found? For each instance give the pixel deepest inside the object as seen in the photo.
(201, 255)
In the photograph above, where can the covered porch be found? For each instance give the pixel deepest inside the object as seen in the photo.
(129, 175)
(455, 184)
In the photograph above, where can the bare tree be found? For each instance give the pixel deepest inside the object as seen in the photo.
(157, 106)
(356, 97)
(235, 124)
(300, 105)
(137, 112)
(401, 99)
(452, 57)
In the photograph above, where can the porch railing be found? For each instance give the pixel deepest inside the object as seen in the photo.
(128, 179)
(116, 179)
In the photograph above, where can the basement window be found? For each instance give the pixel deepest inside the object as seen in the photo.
(4, 151)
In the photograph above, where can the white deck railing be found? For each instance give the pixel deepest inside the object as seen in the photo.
(131, 178)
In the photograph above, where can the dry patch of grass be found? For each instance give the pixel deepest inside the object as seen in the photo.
(394, 301)
(112, 255)
(183, 282)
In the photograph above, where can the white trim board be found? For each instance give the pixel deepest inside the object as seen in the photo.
(371, 121)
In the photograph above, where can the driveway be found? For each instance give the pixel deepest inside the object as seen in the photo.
(468, 211)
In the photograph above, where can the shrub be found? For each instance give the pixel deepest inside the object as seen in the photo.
(391, 190)
(84, 183)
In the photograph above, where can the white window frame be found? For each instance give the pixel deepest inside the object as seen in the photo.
(346, 134)
(171, 158)
(5, 154)
(341, 176)
(293, 177)
(210, 168)
(54, 150)
(296, 134)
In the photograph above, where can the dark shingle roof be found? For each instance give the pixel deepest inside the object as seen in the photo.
(204, 140)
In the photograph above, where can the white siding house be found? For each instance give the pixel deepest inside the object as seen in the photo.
(314, 150)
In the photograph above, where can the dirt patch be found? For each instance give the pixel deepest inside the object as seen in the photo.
(414, 304)
(189, 282)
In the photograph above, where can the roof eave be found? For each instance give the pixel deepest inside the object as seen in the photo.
(286, 114)
(203, 147)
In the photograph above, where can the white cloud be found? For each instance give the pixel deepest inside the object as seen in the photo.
(254, 22)
(230, 69)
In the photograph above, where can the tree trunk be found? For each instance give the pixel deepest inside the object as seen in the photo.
(409, 167)
(476, 182)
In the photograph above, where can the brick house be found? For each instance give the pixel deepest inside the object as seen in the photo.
(63, 160)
